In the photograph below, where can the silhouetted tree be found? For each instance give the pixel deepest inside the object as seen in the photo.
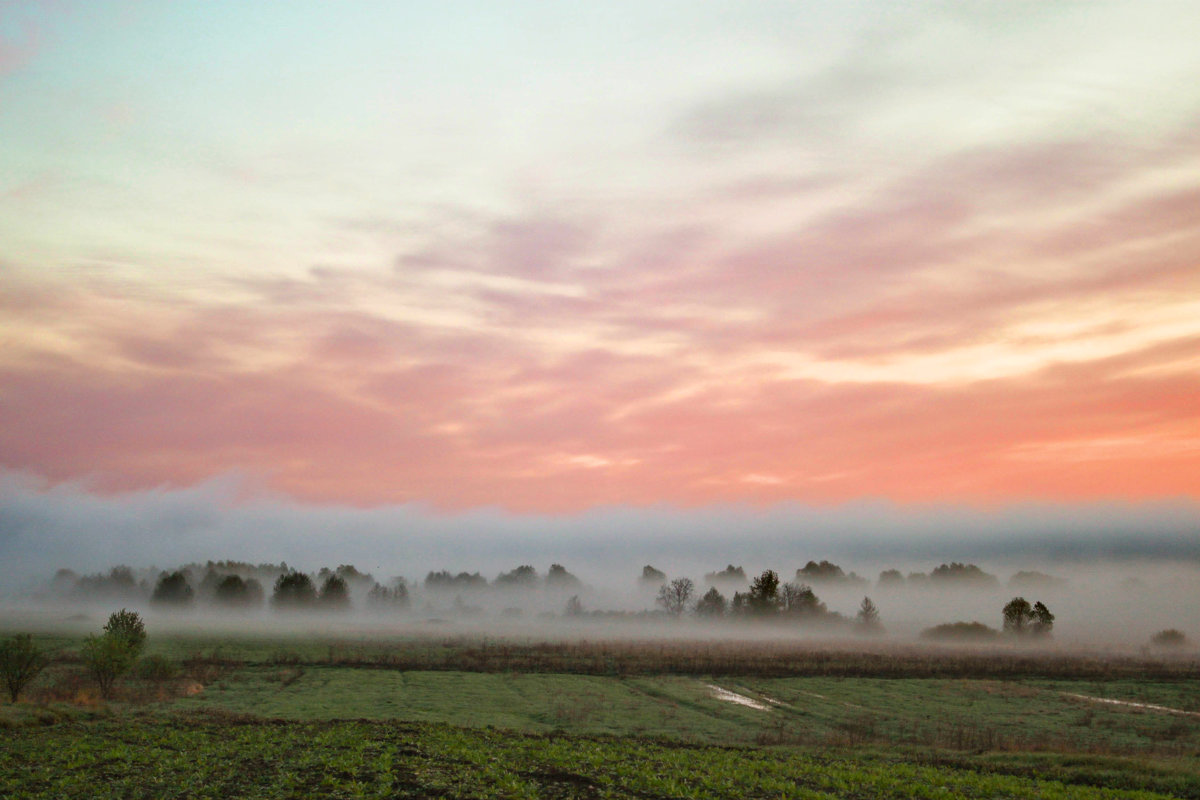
(799, 600)
(731, 575)
(763, 599)
(559, 578)
(739, 605)
(653, 576)
(173, 590)
(1018, 614)
(674, 596)
(955, 572)
(20, 663)
(395, 596)
(711, 605)
(237, 592)
(350, 574)
(335, 595)
(868, 617)
(1043, 620)
(891, 577)
(824, 571)
(294, 590)
(524, 576)
(574, 607)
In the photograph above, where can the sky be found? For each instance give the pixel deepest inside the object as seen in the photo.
(553, 259)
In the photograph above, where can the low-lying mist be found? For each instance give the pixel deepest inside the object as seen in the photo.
(1112, 575)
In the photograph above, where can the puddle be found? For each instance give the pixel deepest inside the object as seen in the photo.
(734, 697)
(1131, 704)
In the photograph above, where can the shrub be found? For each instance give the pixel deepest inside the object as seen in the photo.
(960, 631)
(128, 627)
(20, 663)
(111, 655)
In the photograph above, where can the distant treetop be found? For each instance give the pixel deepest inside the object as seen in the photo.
(730, 574)
(964, 573)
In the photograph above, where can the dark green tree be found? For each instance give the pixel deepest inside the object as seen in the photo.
(127, 626)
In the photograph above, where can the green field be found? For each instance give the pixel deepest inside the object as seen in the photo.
(292, 717)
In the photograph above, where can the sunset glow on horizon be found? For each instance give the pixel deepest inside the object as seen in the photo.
(549, 259)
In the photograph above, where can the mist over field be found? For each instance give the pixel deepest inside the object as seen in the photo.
(1124, 570)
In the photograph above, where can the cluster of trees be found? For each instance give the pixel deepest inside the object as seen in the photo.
(524, 576)
(1019, 619)
(824, 572)
(330, 590)
(952, 574)
(766, 598)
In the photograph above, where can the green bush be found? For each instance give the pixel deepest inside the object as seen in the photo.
(20, 663)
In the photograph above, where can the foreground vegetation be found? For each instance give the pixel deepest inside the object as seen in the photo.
(302, 716)
(206, 756)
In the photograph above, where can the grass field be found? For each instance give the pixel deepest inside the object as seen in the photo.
(285, 716)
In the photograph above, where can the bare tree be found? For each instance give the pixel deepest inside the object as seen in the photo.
(674, 596)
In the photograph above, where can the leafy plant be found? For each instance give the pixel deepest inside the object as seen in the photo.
(20, 663)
